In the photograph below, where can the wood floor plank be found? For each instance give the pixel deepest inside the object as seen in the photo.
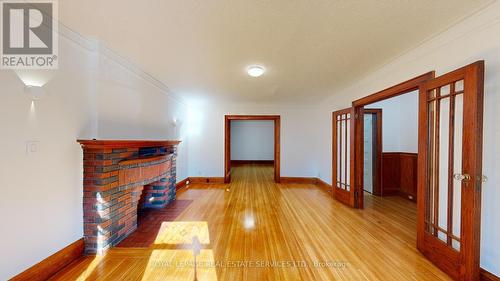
(260, 230)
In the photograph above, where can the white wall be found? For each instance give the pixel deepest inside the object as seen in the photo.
(298, 142)
(399, 123)
(90, 96)
(132, 105)
(475, 38)
(252, 140)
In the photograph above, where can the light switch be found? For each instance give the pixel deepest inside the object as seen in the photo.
(32, 147)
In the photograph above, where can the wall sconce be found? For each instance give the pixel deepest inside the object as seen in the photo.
(34, 92)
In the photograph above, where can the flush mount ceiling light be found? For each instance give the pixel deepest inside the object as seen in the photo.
(255, 70)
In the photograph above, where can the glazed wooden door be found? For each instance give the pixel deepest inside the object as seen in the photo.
(450, 170)
(343, 157)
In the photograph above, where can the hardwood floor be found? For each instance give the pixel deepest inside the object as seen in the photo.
(295, 226)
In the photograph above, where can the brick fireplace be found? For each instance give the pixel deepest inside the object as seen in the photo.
(120, 177)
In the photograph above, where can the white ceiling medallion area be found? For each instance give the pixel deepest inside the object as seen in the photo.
(197, 48)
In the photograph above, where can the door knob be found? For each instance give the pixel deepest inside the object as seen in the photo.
(460, 177)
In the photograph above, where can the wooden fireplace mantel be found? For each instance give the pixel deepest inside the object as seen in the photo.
(95, 144)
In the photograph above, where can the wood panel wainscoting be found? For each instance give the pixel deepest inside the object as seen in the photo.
(399, 174)
(53, 264)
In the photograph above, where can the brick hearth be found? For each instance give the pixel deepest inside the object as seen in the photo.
(119, 178)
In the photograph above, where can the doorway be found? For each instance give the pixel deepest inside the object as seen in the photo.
(358, 132)
(228, 119)
(449, 165)
(372, 181)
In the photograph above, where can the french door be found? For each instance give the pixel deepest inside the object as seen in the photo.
(343, 157)
(450, 170)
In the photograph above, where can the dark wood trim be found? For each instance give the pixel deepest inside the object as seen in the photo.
(377, 147)
(285, 180)
(277, 149)
(488, 276)
(397, 90)
(207, 180)
(126, 143)
(359, 150)
(253, 117)
(53, 264)
(307, 180)
(227, 142)
(227, 149)
(247, 162)
(323, 185)
(182, 184)
(298, 180)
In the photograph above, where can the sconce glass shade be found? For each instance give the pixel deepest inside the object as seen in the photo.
(34, 92)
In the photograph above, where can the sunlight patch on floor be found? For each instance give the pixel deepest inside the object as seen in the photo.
(90, 268)
(182, 232)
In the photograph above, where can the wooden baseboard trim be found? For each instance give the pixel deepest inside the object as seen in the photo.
(488, 276)
(323, 185)
(53, 264)
(408, 196)
(181, 184)
(206, 180)
(298, 180)
(307, 180)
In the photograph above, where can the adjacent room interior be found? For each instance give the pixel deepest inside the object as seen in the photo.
(252, 145)
(250, 140)
(391, 146)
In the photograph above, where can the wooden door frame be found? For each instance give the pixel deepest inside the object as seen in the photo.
(377, 174)
(358, 105)
(227, 141)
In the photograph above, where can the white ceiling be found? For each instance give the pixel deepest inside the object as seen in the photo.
(311, 48)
